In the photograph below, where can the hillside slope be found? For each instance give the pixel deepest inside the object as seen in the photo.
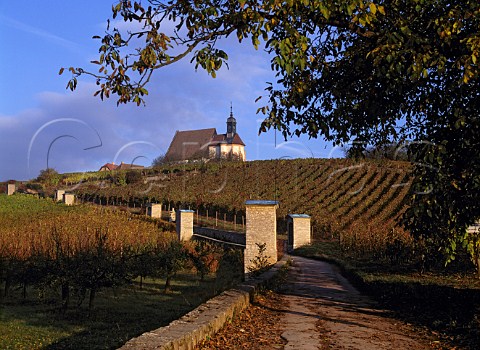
(356, 201)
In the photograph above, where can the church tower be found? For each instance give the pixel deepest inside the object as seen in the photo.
(231, 125)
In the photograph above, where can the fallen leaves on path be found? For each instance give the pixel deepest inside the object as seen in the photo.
(257, 327)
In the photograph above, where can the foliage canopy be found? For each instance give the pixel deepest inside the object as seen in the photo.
(49, 176)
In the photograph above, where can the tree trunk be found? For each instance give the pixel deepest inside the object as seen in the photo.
(65, 295)
(478, 267)
(168, 282)
(92, 298)
(24, 290)
(8, 282)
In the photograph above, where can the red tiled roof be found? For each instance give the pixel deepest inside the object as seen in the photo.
(218, 138)
(222, 138)
(126, 166)
(237, 140)
(190, 144)
(109, 166)
(121, 166)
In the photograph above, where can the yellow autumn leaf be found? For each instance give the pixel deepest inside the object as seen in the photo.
(373, 8)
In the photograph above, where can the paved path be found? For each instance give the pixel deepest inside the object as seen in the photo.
(326, 311)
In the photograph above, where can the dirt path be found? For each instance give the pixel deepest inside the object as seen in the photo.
(325, 311)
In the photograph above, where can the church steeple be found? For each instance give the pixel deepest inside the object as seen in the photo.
(231, 124)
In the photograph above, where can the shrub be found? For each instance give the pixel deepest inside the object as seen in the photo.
(260, 263)
(204, 257)
(34, 186)
(49, 177)
(133, 177)
(120, 178)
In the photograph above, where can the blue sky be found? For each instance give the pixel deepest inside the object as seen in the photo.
(43, 123)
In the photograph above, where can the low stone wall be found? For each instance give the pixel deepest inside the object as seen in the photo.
(205, 320)
(229, 236)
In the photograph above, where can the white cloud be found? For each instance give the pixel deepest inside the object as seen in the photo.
(179, 99)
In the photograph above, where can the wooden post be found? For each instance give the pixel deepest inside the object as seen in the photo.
(224, 220)
(235, 222)
(216, 218)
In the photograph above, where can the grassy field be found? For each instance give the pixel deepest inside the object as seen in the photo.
(119, 314)
(53, 258)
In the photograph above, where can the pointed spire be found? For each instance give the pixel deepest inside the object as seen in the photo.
(231, 123)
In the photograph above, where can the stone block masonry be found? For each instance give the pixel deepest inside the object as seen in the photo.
(68, 199)
(11, 189)
(154, 210)
(59, 195)
(204, 321)
(261, 225)
(184, 224)
(299, 231)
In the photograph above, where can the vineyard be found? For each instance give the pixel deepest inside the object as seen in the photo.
(64, 255)
(67, 254)
(357, 202)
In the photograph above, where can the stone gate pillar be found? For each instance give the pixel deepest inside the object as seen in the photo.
(69, 199)
(154, 210)
(261, 224)
(184, 221)
(59, 195)
(10, 189)
(299, 232)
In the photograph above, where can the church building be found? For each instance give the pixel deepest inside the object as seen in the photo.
(207, 144)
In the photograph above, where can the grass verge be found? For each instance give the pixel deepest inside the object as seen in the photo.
(119, 315)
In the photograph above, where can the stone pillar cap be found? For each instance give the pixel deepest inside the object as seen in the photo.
(187, 211)
(261, 202)
(295, 216)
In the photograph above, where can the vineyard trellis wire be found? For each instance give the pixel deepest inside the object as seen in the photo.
(84, 248)
(211, 217)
